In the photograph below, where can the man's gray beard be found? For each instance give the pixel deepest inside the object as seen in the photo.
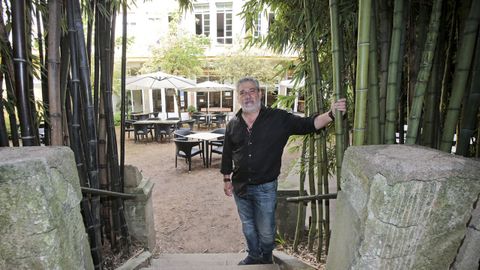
(255, 108)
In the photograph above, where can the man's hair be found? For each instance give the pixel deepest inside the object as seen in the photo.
(248, 79)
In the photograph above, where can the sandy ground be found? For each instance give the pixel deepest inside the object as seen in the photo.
(192, 214)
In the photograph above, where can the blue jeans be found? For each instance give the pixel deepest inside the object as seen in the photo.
(257, 213)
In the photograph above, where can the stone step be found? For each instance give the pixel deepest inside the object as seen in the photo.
(210, 261)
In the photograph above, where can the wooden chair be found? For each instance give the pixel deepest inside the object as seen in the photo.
(187, 149)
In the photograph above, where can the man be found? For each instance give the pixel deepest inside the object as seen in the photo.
(252, 154)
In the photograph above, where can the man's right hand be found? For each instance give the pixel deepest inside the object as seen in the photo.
(228, 188)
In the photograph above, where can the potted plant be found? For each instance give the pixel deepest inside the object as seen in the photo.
(191, 109)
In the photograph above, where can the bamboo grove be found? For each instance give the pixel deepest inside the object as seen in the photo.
(399, 63)
(75, 70)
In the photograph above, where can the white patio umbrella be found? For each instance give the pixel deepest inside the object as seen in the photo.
(208, 87)
(157, 80)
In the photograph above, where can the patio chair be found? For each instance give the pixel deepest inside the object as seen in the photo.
(129, 127)
(187, 149)
(216, 146)
(163, 131)
(218, 119)
(180, 133)
(190, 123)
(142, 130)
(200, 119)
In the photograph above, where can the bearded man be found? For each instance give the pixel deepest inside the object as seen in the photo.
(251, 160)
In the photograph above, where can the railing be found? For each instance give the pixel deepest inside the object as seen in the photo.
(108, 193)
(319, 197)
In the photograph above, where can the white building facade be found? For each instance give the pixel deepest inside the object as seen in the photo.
(148, 23)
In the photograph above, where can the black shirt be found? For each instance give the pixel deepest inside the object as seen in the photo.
(255, 156)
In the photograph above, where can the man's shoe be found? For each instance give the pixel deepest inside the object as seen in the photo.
(249, 260)
(267, 259)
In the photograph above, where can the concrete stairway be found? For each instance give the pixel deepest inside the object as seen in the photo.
(211, 261)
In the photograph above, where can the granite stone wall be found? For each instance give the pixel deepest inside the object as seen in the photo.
(41, 226)
(139, 211)
(406, 207)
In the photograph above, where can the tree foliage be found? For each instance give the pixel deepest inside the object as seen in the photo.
(180, 53)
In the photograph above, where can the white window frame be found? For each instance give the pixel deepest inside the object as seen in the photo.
(257, 31)
(204, 12)
(226, 9)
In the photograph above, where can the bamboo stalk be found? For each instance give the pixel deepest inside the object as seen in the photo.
(21, 73)
(117, 185)
(43, 57)
(424, 73)
(90, 220)
(6, 61)
(123, 90)
(385, 31)
(469, 119)
(311, 183)
(54, 67)
(361, 88)
(3, 128)
(337, 67)
(394, 68)
(373, 91)
(300, 207)
(460, 78)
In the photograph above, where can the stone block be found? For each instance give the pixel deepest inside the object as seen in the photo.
(139, 214)
(402, 207)
(133, 177)
(286, 214)
(41, 226)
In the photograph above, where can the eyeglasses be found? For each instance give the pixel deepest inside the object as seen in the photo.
(249, 92)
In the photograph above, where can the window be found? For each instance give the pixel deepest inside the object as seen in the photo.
(157, 100)
(202, 20)
(257, 32)
(170, 99)
(201, 101)
(183, 101)
(224, 23)
(227, 99)
(271, 19)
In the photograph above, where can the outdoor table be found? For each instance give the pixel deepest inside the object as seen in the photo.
(139, 116)
(205, 137)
